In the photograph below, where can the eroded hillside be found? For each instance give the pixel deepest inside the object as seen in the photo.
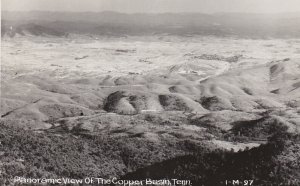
(141, 101)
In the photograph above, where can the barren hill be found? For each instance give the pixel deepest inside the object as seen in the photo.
(122, 105)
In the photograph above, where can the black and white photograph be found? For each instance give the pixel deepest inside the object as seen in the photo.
(150, 93)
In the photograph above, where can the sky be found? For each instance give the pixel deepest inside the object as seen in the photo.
(154, 6)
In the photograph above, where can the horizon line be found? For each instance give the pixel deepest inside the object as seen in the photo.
(153, 13)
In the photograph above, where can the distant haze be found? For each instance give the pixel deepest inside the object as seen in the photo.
(155, 6)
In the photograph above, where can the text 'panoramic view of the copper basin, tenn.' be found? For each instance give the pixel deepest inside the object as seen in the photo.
(150, 93)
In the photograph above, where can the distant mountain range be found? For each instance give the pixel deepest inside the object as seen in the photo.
(119, 24)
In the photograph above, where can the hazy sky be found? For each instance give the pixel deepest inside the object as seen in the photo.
(154, 6)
